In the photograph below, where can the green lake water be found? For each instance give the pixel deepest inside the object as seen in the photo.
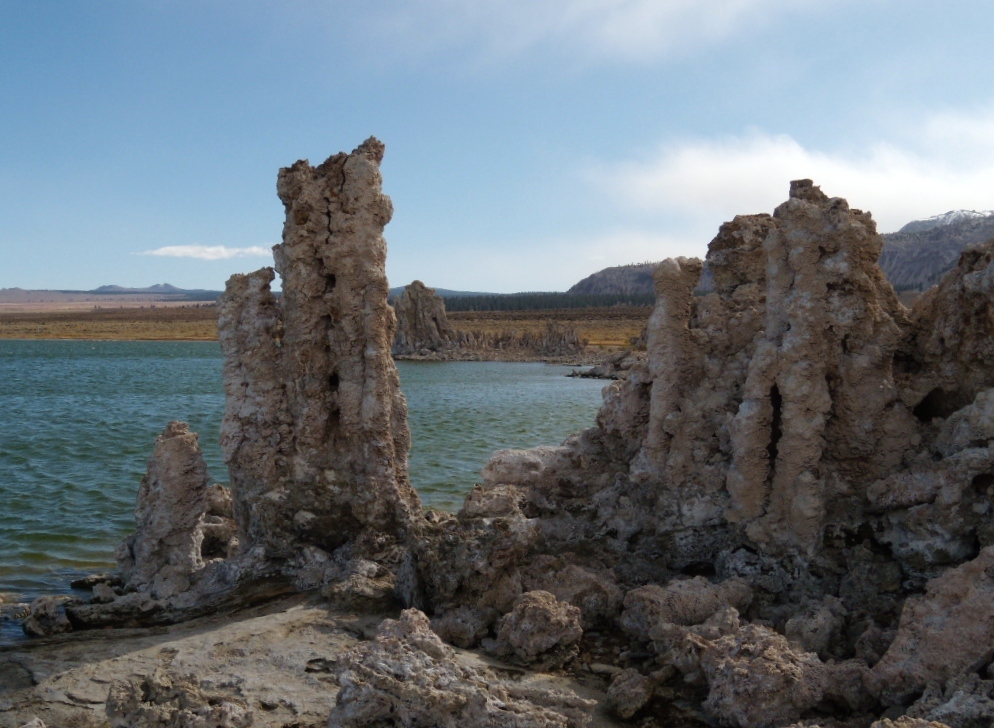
(78, 419)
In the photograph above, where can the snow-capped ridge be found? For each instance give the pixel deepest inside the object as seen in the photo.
(946, 218)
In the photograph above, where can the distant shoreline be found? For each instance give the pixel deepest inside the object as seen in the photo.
(606, 329)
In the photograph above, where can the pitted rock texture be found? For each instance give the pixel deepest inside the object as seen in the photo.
(45, 617)
(629, 693)
(315, 428)
(683, 602)
(965, 701)
(407, 677)
(421, 322)
(167, 700)
(945, 633)
(755, 679)
(165, 551)
(540, 630)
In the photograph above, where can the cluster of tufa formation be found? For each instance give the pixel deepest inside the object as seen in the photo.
(783, 514)
(793, 492)
(315, 428)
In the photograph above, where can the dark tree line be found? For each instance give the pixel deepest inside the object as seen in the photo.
(545, 301)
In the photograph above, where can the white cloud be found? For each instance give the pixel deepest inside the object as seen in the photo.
(945, 163)
(208, 252)
(631, 30)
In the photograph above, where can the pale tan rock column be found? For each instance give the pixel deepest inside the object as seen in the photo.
(164, 553)
(316, 427)
(421, 320)
(833, 325)
(674, 360)
(256, 430)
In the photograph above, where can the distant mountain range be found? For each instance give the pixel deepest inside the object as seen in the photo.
(913, 258)
(104, 294)
(947, 218)
(920, 253)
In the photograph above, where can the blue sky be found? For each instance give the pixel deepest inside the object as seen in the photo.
(529, 142)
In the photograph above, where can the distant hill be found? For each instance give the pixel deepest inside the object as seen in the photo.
(920, 253)
(443, 292)
(621, 280)
(163, 288)
(105, 294)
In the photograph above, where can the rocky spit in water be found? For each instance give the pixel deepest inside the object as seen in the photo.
(423, 333)
(782, 517)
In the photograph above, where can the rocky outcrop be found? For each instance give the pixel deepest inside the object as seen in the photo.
(540, 630)
(173, 566)
(666, 615)
(315, 429)
(815, 449)
(165, 550)
(629, 692)
(946, 633)
(421, 322)
(406, 676)
(45, 617)
(755, 679)
(615, 366)
(167, 700)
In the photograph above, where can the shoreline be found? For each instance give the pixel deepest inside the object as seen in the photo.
(586, 359)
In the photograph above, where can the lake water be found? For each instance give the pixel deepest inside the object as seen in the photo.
(78, 419)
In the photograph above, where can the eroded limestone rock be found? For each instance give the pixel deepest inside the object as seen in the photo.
(421, 321)
(168, 700)
(797, 431)
(406, 676)
(629, 693)
(46, 617)
(965, 701)
(756, 680)
(540, 630)
(808, 451)
(947, 632)
(315, 429)
(682, 602)
(165, 550)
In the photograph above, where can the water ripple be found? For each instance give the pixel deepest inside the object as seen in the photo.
(80, 418)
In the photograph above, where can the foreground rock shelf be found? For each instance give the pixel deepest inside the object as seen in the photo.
(284, 664)
(782, 516)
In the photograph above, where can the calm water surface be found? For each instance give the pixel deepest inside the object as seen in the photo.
(78, 419)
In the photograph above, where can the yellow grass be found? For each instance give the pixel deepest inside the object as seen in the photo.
(605, 328)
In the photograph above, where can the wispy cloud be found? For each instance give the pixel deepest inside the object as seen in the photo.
(627, 30)
(208, 252)
(946, 162)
